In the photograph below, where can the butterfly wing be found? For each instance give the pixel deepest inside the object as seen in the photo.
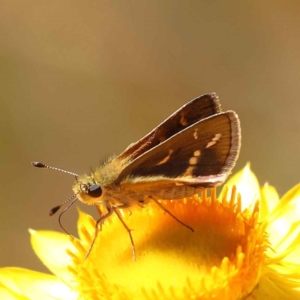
(200, 156)
(195, 110)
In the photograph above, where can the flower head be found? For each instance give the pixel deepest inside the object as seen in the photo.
(245, 245)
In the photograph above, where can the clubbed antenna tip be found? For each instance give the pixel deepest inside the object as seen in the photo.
(54, 210)
(38, 164)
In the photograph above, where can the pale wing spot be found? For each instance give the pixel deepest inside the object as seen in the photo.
(193, 160)
(164, 160)
(195, 134)
(188, 172)
(217, 137)
(179, 183)
(210, 144)
(197, 153)
(183, 121)
(214, 140)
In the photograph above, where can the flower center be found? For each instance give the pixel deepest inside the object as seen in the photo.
(222, 258)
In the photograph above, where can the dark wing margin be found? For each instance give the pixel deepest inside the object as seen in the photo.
(190, 113)
(194, 156)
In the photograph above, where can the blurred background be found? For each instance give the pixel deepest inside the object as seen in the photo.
(81, 80)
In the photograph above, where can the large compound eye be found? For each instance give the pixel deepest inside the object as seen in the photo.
(94, 191)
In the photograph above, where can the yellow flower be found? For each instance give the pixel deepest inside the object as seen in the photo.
(245, 245)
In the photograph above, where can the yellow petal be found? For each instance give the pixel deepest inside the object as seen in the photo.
(87, 222)
(267, 289)
(7, 294)
(289, 203)
(27, 284)
(284, 220)
(51, 248)
(269, 200)
(246, 184)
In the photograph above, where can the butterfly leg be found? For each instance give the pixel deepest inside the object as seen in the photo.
(116, 210)
(168, 212)
(110, 210)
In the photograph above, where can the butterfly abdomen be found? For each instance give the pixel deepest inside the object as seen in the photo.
(177, 192)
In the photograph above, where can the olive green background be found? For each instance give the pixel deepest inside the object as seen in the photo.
(81, 80)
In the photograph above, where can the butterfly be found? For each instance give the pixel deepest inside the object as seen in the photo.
(193, 149)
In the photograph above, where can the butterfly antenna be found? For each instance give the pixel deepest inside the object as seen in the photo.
(73, 198)
(43, 166)
(56, 208)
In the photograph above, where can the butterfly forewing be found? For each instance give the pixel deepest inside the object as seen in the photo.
(190, 113)
(201, 155)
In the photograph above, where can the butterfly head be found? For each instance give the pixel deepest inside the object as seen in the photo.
(88, 190)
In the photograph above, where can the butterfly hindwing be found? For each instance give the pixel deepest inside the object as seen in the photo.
(190, 113)
(195, 156)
